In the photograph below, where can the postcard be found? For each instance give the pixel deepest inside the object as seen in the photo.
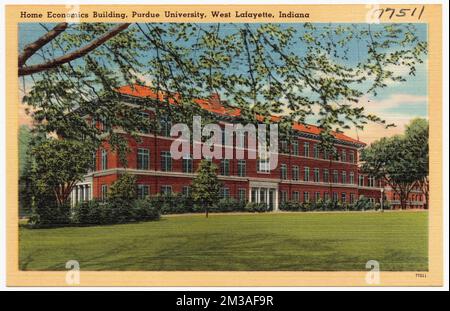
(213, 145)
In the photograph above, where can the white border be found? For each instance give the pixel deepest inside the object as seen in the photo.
(445, 140)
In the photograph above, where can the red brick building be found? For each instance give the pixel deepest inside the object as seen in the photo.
(303, 173)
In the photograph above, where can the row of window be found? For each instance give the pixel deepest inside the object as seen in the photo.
(316, 196)
(343, 156)
(316, 175)
(241, 137)
(143, 163)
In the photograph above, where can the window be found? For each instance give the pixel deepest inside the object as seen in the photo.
(166, 189)
(242, 195)
(254, 193)
(295, 173)
(306, 174)
(188, 165)
(335, 176)
(104, 192)
(94, 161)
(186, 191)
(143, 159)
(351, 156)
(263, 165)
(343, 197)
(224, 192)
(306, 149)
(361, 180)
(326, 196)
(145, 129)
(240, 139)
(283, 196)
(242, 169)
(224, 138)
(317, 198)
(325, 154)
(104, 159)
(335, 196)
(316, 175)
(283, 146)
(142, 191)
(104, 124)
(352, 197)
(316, 151)
(296, 196)
(225, 167)
(371, 181)
(283, 171)
(326, 175)
(166, 125)
(295, 148)
(344, 156)
(344, 177)
(305, 196)
(352, 178)
(166, 161)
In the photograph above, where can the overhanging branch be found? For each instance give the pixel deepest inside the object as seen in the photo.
(23, 71)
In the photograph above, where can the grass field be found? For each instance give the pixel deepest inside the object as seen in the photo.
(283, 241)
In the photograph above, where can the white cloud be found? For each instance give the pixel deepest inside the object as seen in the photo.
(394, 101)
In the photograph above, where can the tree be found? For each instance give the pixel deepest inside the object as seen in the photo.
(59, 165)
(263, 69)
(123, 189)
(394, 161)
(33, 47)
(206, 186)
(417, 134)
(25, 165)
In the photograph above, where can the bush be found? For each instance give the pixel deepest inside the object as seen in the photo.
(293, 206)
(362, 204)
(89, 212)
(114, 212)
(229, 205)
(145, 210)
(173, 203)
(253, 207)
(50, 214)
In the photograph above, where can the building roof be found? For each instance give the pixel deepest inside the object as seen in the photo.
(214, 105)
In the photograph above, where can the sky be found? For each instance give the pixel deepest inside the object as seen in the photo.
(398, 103)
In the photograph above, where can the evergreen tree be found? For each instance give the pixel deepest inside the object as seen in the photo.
(206, 185)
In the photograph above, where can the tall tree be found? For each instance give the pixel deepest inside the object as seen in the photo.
(417, 135)
(74, 70)
(59, 165)
(263, 69)
(401, 161)
(206, 186)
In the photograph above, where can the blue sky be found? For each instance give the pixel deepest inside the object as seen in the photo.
(397, 103)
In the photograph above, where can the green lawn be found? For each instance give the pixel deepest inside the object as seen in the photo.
(283, 241)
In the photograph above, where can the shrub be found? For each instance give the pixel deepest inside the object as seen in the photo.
(290, 206)
(174, 203)
(123, 188)
(89, 212)
(253, 207)
(362, 204)
(144, 210)
(229, 205)
(50, 214)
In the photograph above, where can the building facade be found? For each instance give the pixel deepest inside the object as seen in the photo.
(304, 173)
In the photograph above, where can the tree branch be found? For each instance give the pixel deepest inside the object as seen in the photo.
(75, 54)
(32, 48)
